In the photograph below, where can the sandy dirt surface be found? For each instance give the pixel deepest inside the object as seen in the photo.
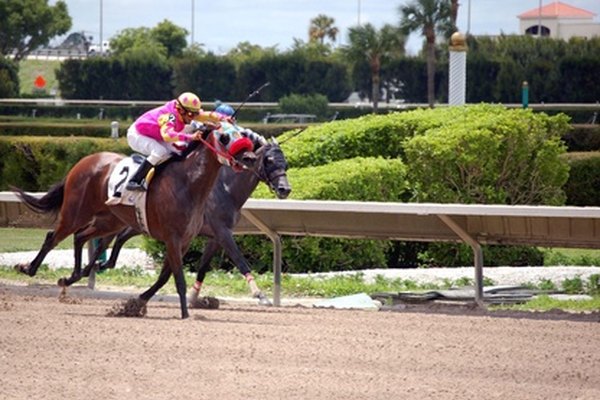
(72, 350)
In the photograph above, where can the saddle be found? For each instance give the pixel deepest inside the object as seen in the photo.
(119, 195)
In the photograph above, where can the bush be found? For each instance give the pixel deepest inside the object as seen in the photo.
(34, 163)
(583, 137)
(304, 104)
(583, 186)
(458, 255)
(490, 155)
(361, 179)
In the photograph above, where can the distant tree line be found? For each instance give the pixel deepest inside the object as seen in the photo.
(156, 63)
(556, 71)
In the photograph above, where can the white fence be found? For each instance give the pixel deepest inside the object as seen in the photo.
(577, 227)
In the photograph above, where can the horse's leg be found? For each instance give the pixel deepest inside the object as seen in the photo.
(209, 251)
(52, 239)
(233, 252)
(122, 237)
(98, 249)
(33, 266)
(104, 226)
(181, 287)
(173, 264)
(163, 277)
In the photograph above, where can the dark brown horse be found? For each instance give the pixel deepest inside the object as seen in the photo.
(222, 213)
(175, 208)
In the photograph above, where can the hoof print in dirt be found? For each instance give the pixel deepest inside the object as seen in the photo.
(206, 303)
(129, 308)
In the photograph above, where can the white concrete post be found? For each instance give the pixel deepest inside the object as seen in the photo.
(457, 82)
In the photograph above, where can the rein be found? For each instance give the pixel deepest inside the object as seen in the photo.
(230, 159)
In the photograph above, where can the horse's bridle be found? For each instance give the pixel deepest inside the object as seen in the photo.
(231, 161)
(269, 176)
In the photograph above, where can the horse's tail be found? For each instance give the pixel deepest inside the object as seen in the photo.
(48, 203)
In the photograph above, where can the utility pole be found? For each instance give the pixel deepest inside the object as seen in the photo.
(192, 36)
(101, 11)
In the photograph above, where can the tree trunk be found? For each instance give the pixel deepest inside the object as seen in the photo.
(375, 91)
(430, 73)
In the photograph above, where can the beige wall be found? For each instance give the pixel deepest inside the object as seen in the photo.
(564, 29)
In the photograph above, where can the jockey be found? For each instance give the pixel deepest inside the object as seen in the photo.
(156, 131)
(226, 112)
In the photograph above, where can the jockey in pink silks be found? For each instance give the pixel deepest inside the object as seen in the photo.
(157, 131)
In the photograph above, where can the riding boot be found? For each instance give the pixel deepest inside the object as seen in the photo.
(137, 183)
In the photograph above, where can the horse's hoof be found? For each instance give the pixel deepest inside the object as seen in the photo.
(104, 266)
(62, 282)
(263, 300)
(22, 268)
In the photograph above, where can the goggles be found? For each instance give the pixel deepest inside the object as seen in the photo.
(184, 111)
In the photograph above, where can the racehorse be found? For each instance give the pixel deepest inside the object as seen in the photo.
(222, 213)
(175, 207)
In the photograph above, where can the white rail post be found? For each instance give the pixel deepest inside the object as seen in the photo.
(457, 82)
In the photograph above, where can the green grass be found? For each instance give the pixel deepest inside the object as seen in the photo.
(231, 284)
(20, 239)
(558, 256)
(546, 303)
(29, 70)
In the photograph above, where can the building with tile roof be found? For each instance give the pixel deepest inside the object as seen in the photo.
(559, 20)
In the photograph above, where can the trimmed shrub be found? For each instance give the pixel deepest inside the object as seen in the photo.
(34, 163)
(583, 186)
(361, 179)
(490, 155)
(583, 137)
(304, 104)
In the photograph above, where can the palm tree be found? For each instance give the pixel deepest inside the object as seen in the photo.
(428, 17)
(453, 13)
(321, 27)
(366, 43)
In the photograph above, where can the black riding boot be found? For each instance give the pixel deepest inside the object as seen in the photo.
(136, 183)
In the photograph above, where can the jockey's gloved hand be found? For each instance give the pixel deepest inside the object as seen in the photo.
(196, 126)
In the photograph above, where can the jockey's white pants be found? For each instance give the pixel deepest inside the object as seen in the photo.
(155, 151)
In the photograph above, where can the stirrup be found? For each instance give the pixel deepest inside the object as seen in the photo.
(136, 186)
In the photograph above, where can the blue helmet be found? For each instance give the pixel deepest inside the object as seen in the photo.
(225, 109)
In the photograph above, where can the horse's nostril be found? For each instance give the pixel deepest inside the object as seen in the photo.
(283, 192)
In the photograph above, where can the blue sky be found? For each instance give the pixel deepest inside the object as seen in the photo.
(221, 24)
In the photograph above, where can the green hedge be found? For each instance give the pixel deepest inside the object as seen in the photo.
(19, 126)
(583, 186)
(361, 179)
(35, 163)
(490, 155)
(583, 137)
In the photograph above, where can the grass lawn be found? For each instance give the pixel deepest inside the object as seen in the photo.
(18, 239)
(29, 70)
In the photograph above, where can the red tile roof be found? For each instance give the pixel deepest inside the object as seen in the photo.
(557, 9)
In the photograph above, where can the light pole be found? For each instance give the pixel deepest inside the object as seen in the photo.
(192, 35)
(101, 47)
(469, 18)
(358, 12)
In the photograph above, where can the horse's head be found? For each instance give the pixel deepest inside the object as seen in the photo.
(237, 151)
(272, 167)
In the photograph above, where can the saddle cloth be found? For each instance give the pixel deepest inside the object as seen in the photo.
(119, 195)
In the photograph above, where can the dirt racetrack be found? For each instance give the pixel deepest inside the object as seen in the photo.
(54, 350)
